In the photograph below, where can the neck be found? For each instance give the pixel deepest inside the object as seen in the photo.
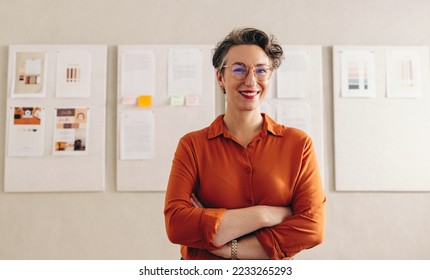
(244, 126)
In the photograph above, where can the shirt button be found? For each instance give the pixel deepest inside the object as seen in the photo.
(248, 170)
(250, 145)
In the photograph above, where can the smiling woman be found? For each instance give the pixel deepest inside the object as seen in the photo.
(244, 89)
(245, 187)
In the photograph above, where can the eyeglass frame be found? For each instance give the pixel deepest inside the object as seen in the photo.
(248, 69)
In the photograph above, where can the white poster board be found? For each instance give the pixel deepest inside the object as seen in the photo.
(51, 143)
(382, 140)
(157, 104)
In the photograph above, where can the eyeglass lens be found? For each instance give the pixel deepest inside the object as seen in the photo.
(240, 70)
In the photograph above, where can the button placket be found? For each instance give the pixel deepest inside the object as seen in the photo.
(248, 153)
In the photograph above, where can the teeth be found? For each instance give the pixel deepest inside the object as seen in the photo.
(249, 93)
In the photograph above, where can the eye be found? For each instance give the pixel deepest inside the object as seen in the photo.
(238, 69)
(261, 70)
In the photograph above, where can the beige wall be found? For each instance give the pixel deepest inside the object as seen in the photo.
(112, 225)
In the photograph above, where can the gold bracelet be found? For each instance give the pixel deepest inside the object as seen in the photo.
(234, 249)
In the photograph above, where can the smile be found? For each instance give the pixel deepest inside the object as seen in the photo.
(249, 94)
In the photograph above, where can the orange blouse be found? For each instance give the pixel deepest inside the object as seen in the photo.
(277, 168)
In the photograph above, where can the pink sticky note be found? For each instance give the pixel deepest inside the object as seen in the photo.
(192, 100)
(129, 100)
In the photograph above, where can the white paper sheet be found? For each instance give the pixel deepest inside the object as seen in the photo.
(294, 75)
(73, 74)
(71, 131)
(403, 70)
(185, 72)
(26, 131)
(358, 73)
(295, 114)
(137, 135)
(137, 73)
(29, 74)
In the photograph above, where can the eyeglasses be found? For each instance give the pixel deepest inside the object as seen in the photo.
(240, 71)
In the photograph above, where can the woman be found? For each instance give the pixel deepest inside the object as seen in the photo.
(245, 187)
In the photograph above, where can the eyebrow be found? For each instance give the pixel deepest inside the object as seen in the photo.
(258, 64)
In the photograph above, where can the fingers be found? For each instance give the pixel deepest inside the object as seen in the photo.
(195, 202)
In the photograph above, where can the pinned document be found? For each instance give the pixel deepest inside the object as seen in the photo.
(73, 74)
(26, 131)
(137, 135)
(358, 73)
(137, 72)
(185, 72)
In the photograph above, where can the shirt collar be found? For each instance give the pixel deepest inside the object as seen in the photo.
(217, 127)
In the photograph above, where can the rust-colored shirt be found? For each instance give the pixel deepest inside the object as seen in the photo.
(277, 168)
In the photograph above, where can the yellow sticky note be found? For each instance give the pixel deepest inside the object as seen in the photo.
(177, 100)
(144, 101)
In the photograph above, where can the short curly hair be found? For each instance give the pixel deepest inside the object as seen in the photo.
(248, 36)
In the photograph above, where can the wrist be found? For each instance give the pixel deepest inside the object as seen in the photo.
(264, 216)
(233, 249)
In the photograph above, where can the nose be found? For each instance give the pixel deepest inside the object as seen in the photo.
(250, 79)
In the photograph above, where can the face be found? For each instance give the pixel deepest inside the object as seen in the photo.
(244, 94)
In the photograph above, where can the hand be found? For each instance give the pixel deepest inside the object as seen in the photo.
(239, 222)
(195, 202)
(223, 252)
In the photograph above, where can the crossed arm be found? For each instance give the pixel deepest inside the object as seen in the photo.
(263, 231)
(242, 223)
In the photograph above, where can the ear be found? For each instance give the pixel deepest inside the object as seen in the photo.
(220, 80)
(219, 77)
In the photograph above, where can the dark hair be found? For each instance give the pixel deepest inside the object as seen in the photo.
(248, 36)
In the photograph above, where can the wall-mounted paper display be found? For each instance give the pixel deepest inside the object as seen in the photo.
(357, 73)
(137, 135)
(403, 69)
(294, 76)
(53, 145)
(71, 131)
(185, 72)
(137, 73)
(73, 73)
(29, 73)
(147, 136)
(26, 134)
(382, 143)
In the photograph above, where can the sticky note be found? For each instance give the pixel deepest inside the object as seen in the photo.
(129, 100)
(191, 100)
(144, 101)
(177, 100)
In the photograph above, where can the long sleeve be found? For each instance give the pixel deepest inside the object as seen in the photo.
(305, 229)
(186, 225)
(279, 168)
